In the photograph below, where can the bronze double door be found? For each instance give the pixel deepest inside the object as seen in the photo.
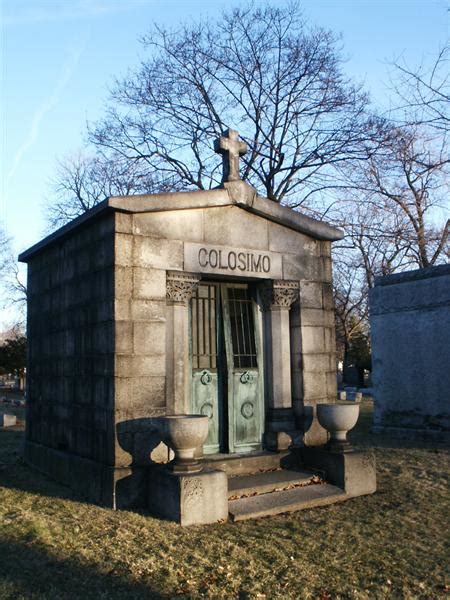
(226, 359)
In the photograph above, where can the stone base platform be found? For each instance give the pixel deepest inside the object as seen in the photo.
(240, 486)
(188, 499)
(353, 472)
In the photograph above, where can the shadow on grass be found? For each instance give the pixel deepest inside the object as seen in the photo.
(31, 571)
(362, 437)
(16, 474)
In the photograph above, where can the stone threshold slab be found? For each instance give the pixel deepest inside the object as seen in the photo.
(275, 503)
(245, 464)
(270, 481)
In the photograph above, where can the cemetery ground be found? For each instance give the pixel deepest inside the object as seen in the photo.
(389, 545)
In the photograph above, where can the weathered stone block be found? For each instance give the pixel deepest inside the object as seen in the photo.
(330, 338)
(123, 247)
(331, 382)
(231, 226)
(158, 254)
(138, 366)
(149, 283)
(148, 393)
(327, 296)
(123, 282)
(122, 309)
(310, 295)
(313, 340)
(327, 270)
(317, 317)
(354, 472)
(314, 384)
(149, 310)
(301, 266)
(314, 363)
(123, 337)
(291, 242)
(173, 225)
(123, 222)
(195, 499)
(149, 338)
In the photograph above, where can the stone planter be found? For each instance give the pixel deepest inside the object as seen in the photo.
(184, 434)
(338, 419)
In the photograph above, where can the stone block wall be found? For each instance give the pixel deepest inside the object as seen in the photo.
(410, 327)
(313, 344)
(140, 309)
(71, 332)
(98, 328)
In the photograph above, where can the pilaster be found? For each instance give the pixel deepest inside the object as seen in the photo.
(180, 287)
(277, 298)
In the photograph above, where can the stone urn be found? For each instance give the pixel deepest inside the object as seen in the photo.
(338, 419)
(184, 434)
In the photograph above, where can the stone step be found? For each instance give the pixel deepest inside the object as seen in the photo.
(292, 500)
(245, 464)
(269, 481)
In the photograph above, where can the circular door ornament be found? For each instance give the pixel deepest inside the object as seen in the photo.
(247, 410)
(246, 377)
(207, 410)
(205, 378)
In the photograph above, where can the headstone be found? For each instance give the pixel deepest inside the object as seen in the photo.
(7, 420)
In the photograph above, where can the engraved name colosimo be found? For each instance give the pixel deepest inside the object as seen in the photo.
(228, 259)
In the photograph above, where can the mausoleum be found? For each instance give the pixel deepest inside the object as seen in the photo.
(410, 325)
(215, 303)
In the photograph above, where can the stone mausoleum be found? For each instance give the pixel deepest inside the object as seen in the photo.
(410, 325)
(216, 303)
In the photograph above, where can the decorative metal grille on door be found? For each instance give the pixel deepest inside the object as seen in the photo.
(204, 361)
(226, 378)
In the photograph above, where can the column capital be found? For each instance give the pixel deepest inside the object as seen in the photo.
(180, 287)
(279, 294)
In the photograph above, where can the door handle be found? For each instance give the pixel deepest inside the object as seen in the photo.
(246, 377)
(206, 378)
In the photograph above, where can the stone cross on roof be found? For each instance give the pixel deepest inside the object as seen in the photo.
(231, 148)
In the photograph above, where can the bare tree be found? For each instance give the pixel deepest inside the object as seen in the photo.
(410, 179)
(425, 92)
(83, 181)
(13, 290)
(4, 252)
(261, 70)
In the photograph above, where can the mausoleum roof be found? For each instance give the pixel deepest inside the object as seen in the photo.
(237, 193)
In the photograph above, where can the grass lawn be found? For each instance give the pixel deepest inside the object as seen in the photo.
(393, 544)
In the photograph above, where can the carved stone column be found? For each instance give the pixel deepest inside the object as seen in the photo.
(180, 288)
(278, 296)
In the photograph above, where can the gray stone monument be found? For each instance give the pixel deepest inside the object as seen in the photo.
(410, 325)
(215, 303)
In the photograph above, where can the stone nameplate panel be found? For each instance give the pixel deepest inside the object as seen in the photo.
(224, 260)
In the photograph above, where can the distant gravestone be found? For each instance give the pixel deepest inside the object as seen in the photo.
(7, 420)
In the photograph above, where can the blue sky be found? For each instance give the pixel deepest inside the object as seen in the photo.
(60, 56)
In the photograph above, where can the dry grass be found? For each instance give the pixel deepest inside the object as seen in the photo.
(390, 545)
